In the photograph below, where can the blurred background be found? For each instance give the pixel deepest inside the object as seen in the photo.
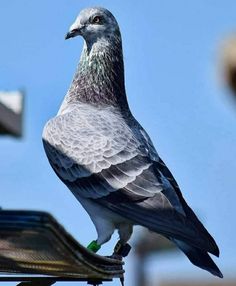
(180, 81)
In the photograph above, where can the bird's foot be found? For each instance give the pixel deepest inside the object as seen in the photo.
(121, 249)
(94, 246)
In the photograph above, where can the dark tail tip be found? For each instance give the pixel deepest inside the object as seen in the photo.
(200, 258)
(215, 251)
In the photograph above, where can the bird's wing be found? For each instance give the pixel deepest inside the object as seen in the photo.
(100, 156)
(98, 153)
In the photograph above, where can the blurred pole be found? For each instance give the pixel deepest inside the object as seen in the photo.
(147, 244)
(140, 271)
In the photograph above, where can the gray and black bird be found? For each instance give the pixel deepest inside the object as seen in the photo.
(107, 160)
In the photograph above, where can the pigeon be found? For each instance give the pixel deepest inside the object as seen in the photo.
(106, 158)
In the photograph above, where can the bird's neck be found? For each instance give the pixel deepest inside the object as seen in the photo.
(99, 79)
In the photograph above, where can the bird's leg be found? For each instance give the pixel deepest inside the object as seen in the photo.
(122, 248)
(94, 246)
(104, 229)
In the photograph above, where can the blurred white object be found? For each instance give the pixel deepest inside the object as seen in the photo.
(11, 113)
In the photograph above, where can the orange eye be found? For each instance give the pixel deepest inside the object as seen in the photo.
(96, 20)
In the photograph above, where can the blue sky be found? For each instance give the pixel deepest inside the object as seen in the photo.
(171, 51)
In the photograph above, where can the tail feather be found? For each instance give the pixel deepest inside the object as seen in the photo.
(199, 258)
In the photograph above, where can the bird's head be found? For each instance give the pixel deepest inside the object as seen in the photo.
(93, 24)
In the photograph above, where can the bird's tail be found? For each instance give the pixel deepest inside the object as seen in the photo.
(199, 257)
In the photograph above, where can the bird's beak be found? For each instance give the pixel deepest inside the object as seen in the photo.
(73, 33)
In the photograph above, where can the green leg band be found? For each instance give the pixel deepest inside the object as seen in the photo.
(93, 246)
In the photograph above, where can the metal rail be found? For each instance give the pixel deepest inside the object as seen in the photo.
(35, 248)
